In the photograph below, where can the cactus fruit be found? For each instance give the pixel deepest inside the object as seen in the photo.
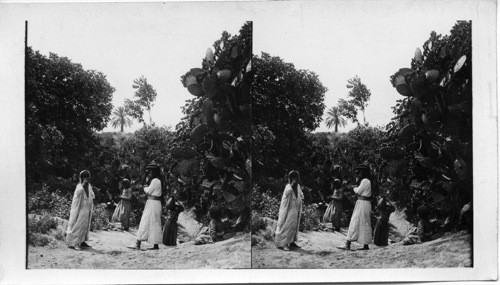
(401, 86)
(418, 55)
(459, 64)
(432, 75)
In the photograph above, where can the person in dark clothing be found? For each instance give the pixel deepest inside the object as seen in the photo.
(170, 228)
(333, 213)
(381, 233)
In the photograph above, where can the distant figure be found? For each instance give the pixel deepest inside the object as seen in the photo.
(360, 228)
(424, 230)
(424, 227)
(215, 230)
(381, 233)
(287, 230)
(333, 213)
(122, 211)
(150, 225)
(170, 228)
(81, 213)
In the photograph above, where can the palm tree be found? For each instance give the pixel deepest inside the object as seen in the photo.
(335, 118)
(120, 118)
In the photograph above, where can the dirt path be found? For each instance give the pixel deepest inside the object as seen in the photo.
(319, 251)
(109, 251)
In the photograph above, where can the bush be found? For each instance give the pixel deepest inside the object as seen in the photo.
(310, 218)
(38, 230)
(100, 217)
(45, 202)
(264, 204)
(38, 239)
(42, 225)
(257, 223)
(267, 234)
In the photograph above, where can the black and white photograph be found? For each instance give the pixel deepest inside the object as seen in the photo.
(138, 140)
(363, 141)
(192, 142)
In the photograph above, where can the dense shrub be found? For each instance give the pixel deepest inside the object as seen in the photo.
(44, 202)
(39, 231)
(257, 223)
(310, 219)
(265, 205)
(100, 217)
(38, 239)
(42, 225)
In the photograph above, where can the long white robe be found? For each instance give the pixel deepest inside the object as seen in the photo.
(150, 225)
(287, 230)
(80, 216)
(360, 227)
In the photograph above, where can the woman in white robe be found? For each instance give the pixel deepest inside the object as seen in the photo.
(287, 230)
(150, 225)
(360, 228)
(81, 213)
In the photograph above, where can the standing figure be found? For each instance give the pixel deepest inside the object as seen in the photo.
(287, 230)
(381, 233)
(360, 228)
(170, 229)
(122, 211)
(81, 213)
(150, 225)
(333, 213)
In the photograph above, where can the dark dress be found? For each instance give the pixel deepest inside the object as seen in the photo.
(170, 229)
(333, 213)
(122, 211)
(381, 234)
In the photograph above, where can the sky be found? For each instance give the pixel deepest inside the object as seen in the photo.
(125, 41)
(337, 40)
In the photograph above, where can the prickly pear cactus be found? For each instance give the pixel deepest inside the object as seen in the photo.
(433, 123)
(217, 123)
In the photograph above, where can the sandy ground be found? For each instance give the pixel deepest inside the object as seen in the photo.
(319, 250)
(109, 251)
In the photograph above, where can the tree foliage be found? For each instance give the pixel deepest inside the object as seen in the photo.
(348, 110)
(335, 119)
(342, 153)
(214, 138)
(360, 95)
(120, 118)
(64, 105)
(429, 151)
(287, 103)
(146, 95)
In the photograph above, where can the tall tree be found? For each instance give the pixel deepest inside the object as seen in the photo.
(335, 118)
(360, 95)
(120, 118)
(146, 95)
(287, 103)
(64, 105)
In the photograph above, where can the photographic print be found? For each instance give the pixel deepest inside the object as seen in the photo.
(363, 139)
(137, 139)
(186, 142)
